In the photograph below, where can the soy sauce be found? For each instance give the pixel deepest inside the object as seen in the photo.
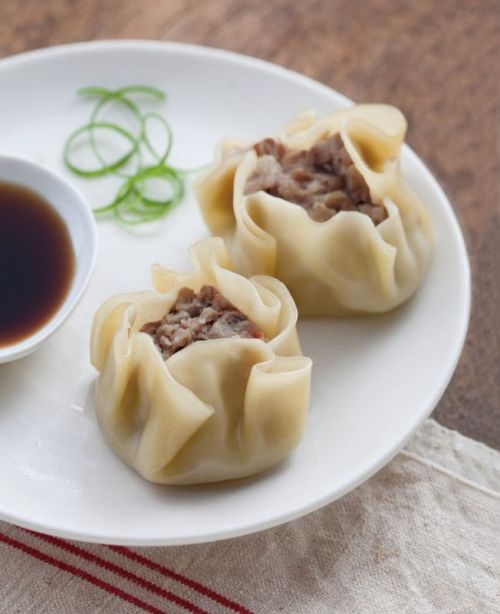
(37, 262)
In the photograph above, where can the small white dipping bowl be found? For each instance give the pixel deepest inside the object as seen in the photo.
(79, 220)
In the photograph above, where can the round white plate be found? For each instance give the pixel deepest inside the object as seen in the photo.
(374, 379)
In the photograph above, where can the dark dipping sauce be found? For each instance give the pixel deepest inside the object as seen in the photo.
(37, 262)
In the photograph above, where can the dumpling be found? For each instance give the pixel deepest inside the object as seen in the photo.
(324, 208)
(201, 379)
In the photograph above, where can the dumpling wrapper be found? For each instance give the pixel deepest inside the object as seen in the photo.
(345, 265)
(217, 409)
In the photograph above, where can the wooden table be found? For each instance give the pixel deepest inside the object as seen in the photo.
(438, 61)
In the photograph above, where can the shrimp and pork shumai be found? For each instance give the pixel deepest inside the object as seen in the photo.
(324, 208)
(201, 379)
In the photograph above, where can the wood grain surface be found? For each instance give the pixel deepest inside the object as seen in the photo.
(438, 61)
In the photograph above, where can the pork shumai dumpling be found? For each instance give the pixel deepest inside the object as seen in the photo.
(201, 379)
(324, 208)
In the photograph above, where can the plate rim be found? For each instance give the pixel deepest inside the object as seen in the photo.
(54, 51)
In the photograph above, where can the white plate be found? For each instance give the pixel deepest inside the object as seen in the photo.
(375, 379)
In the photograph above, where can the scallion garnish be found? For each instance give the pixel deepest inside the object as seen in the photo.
(131, 204)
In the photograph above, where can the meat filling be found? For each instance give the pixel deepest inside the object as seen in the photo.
(323, 180)
(197, 317)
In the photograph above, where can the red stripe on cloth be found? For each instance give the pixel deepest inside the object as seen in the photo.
(121, 571)
(79, 573)
(169, 573)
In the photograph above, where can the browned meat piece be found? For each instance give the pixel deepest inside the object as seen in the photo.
(322, 179)
(270, 147)
(197, 317)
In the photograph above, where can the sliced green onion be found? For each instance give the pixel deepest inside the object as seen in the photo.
(131, 204)
(105, 168)
(145, 139)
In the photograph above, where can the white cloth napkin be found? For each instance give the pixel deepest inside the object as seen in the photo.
(423, 535)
